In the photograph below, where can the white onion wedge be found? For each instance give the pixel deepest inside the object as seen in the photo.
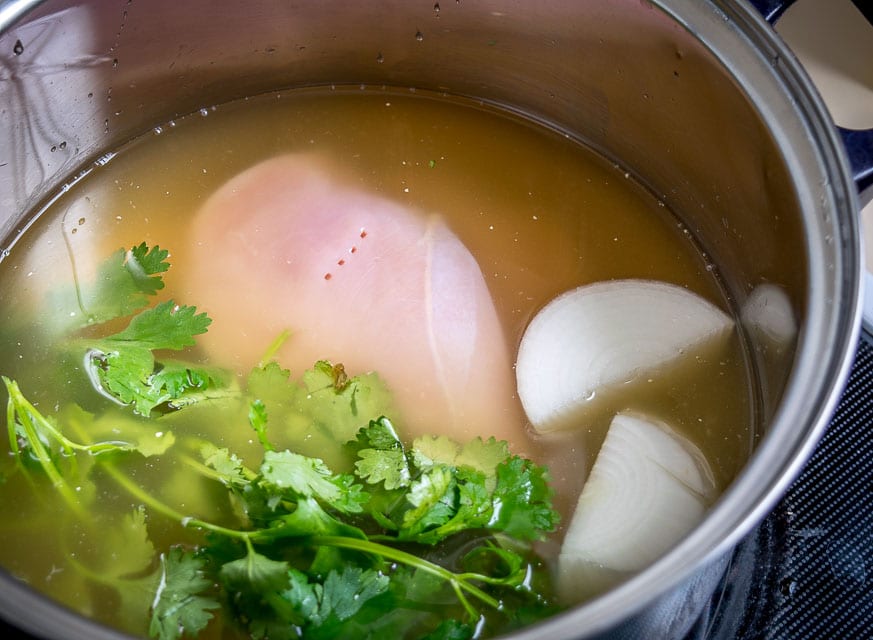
(768, 313)
(601, 335)
(648, 488)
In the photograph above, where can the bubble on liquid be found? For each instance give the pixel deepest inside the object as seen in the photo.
(18, 49)
(380, 58)
(436, 9)
(419, 36)
(204, 112)
(62, 145)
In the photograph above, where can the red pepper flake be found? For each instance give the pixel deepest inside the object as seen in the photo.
(353, 249)
(363, 233)
(341, 262)
(327, 276)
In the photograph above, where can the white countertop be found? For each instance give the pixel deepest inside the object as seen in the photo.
(834, 42)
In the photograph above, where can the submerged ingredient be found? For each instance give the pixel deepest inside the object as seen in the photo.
(495, 214)
(599, 337)
(321, 251)
(648, 488)
(430, 539)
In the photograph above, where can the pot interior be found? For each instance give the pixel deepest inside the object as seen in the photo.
(696, 101)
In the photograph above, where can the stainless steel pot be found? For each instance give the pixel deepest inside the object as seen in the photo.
(698, 99)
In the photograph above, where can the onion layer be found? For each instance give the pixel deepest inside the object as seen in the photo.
(648, 488)
(602, 335)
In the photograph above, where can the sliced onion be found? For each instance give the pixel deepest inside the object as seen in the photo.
(768, 313)
(602, 335)
(648, 488)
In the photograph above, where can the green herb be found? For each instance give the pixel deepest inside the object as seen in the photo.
(427, 539)
(177, 608)
(124, 283)
(124, 365)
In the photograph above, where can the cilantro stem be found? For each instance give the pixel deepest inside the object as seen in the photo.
(273, 348)
(28, 415)
(209, 472)
(186, 521)
(459, 582)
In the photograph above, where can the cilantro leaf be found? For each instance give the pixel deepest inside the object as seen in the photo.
(130, 553)
(253, 585)
(480, 455)
(255, 573)
(308, 519)
(342, 408)
(382, 457)
(474, 510)
(143, 263)
(131, 550)
(178, 607)
(343, 593)
(524, 500)
(451, 630)
(164, 326)
(432, 497)
(123, 364)
(125, 282)
(227, 466)
(310, 477)
(258, 421)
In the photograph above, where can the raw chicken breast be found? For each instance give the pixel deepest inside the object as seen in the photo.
(356, 279)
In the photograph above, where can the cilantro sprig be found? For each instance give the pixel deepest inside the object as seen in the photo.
(389, 538)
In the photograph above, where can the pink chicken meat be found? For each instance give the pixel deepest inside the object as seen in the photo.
(356, 279)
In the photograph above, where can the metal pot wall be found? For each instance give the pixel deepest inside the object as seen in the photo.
(699, 100)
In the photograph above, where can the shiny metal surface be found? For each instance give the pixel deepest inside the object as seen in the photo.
(699, 100)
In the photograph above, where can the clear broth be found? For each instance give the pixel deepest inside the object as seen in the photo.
(540, 212)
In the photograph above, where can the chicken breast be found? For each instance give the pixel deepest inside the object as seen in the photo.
(356, 279)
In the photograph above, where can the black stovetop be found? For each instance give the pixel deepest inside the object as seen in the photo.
(806, 573)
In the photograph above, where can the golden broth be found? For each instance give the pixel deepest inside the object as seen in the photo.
(540, 212)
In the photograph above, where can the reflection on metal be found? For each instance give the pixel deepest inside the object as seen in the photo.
(41, 87)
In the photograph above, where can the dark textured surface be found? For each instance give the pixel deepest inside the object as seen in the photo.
(806, 572)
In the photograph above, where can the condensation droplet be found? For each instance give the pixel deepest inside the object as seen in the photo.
(18, 49)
